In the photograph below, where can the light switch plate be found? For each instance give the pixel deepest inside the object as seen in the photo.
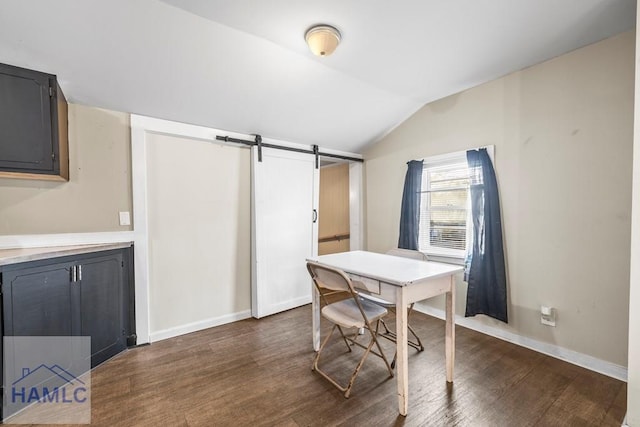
(125, 218)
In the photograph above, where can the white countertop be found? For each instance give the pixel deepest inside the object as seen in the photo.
(14, 256)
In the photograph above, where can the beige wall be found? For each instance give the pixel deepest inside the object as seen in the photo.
(563, 134)
(99, 184)
(199, 223)
(633, 385)
(334, 207)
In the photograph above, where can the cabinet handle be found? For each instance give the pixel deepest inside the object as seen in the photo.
(76, 273)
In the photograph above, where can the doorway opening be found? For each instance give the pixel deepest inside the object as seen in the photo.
(334, 225)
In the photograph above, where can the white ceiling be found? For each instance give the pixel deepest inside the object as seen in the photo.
(243, 66)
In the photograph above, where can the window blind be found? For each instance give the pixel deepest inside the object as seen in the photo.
(444, 208)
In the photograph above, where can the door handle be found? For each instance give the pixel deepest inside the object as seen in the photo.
(315, 215)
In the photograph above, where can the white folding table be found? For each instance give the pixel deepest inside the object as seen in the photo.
(401, 281)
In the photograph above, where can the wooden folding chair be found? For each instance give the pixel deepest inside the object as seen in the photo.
(350, 313)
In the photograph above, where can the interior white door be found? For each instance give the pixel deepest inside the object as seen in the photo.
(284, 229)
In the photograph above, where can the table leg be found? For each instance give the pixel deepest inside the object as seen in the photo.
(315, 318)
(450, 332)
(402, 362)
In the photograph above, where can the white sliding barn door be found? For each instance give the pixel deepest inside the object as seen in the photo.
(284, 229)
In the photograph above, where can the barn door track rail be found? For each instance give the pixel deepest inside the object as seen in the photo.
(315, 150)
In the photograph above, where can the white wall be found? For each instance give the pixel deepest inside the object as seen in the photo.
(563, 133)
(198, 203)
(99, 183)
(633, 385)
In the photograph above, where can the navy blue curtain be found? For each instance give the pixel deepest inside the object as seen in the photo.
(485, 267)
(410, 210)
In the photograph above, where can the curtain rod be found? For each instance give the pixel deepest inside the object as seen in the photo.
(258, 142)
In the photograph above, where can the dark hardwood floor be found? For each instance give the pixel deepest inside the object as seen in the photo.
(258, 373)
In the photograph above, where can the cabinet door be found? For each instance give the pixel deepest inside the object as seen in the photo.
(38, 301)
(101, 305)
(27, 141)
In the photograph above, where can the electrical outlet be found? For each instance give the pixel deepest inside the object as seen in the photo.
(548, 316)
(547, 322)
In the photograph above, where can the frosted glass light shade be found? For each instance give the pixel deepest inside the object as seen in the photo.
(322, 39)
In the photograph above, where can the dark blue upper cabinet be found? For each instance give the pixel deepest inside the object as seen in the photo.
(33, 125)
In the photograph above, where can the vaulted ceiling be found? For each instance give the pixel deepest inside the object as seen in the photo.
(243, 66)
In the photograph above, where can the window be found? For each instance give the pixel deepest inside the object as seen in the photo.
(444, 210)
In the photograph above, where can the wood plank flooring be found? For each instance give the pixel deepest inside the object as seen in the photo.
(258, 373)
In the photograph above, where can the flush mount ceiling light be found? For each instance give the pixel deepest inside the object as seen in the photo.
(322, 39)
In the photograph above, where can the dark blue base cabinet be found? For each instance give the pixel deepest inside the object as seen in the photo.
(81, 295)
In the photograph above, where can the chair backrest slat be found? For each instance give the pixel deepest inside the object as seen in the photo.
(328, 278)
(407, 253)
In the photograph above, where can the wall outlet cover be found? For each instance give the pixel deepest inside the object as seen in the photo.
(547, 320)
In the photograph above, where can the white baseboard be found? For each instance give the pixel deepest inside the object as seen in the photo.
(198, 326)
(589, 362)
(64, 239)
(283, 306)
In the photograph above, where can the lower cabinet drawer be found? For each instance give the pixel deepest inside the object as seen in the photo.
(370, 285)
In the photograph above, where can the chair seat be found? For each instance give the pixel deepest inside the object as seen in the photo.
(346, 312)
